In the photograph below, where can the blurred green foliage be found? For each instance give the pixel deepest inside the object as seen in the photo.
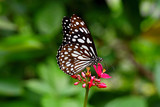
(126, 34)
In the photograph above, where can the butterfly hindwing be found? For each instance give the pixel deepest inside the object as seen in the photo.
(72, 58)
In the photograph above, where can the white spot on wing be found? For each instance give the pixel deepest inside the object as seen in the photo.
(65, 58)
(82, 58)
(69, 49)
(65, 52)
(85, 47)
(81, 40)
(85, 30)
(68, 65)
(73, 40)
(74, 55)
(67, 62)
(76, 30)
(92, 51)
(76, 46)
(82, 23)
(88, 40)
(81, 29)
(75, 36)
(83, 37)
(86, 52)
(71, 69)
(76, 52)
(77, 23)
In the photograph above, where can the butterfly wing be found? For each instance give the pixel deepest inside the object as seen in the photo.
(77, 49)
(73, 58)
(76, 31)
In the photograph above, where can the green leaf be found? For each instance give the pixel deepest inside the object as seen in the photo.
(17, 103)
(48, 20)
(129, 101)
(39, 87)
(70, 103)
(6, 25)
(157, 78)
(10, 87)
(49, 101)
(20, 43)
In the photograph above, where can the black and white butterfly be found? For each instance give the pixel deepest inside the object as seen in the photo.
(77, 50)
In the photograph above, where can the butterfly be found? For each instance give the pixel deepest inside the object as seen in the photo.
(77, 50)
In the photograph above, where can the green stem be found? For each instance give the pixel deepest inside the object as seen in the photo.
(86, 96)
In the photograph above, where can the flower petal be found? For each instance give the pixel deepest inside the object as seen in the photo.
(95, 67)
(104, 75)
(100, 68)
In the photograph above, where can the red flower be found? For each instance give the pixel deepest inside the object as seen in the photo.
(74, 76)
(102, 85)
(87, 80)
(91, 81)
(100, 71)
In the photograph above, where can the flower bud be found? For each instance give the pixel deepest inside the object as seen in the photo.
(92, 78)
(83, 75)
(84, 85)
(79, 77)
(97, 80)
(76, 83)
(102, 85)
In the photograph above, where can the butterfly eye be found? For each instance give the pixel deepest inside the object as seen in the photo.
(77, 50)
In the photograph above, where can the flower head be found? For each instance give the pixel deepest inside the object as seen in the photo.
(100, 71)
(88, 80)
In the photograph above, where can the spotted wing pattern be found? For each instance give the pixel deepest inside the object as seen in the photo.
(77, 50)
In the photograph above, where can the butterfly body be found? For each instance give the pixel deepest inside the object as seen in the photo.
(77, 50)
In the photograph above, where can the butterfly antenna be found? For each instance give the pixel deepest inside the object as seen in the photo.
(105, 66)
(109, 68)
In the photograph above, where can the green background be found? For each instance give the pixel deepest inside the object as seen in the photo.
(126, 34)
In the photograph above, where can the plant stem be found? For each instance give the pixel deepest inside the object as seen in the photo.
(86, 96)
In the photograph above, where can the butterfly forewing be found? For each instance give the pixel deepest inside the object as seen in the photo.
(76, 31)
(77, 50)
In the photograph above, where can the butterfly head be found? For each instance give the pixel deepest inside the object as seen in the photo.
(98, 59)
